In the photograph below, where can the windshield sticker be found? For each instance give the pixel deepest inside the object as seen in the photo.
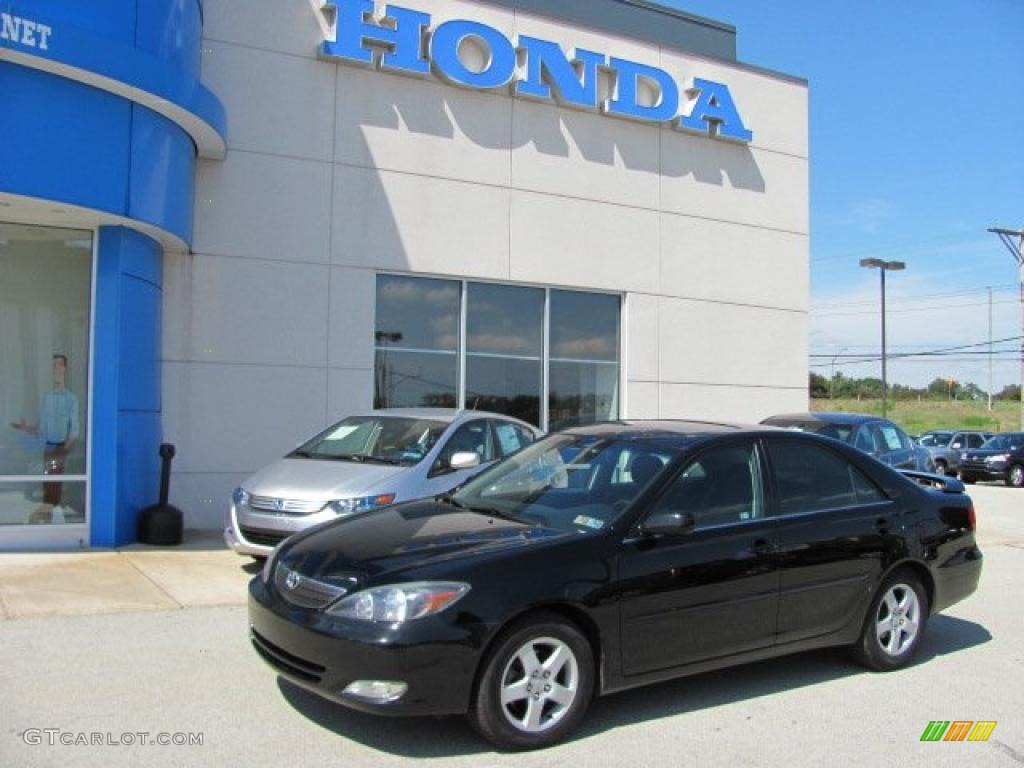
(589, 522)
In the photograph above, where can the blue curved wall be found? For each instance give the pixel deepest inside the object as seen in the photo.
(111, 117)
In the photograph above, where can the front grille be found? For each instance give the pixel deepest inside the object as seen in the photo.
(284, 506)
(287, 662)
(306, 592)
(262, 537)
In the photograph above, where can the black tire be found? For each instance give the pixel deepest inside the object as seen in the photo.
(880, 651)
(1015, 476)
(967, 479)
(503, 668)
(941, 468)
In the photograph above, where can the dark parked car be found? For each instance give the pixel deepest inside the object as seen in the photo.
(946, 446)
(607, 557)
(878, 437)
(1001, 458)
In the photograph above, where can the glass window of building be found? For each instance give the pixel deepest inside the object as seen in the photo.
(416, 337)
(504, 349)
(45, 291)
(497, 361)
(584, 361)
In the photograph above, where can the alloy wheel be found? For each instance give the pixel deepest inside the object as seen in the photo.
(1017, 475)
(539, 684)
(898, 620)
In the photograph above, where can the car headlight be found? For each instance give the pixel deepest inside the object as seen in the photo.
(400, 602)
(998, 457)
(239, 497)
(361, 504)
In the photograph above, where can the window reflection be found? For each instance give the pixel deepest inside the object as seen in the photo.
(417, 340)
(504, 344)
(584, 366)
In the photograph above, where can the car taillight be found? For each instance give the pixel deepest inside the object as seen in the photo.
(972, 521)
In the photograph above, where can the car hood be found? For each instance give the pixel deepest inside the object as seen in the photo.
(376, 547)
(315, 479)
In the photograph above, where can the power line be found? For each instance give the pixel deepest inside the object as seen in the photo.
(915, 309)
(916, 296)
(934, 353)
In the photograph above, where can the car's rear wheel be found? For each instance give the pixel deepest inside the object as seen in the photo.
(895, 623)
(536, 684)
(1015, 476)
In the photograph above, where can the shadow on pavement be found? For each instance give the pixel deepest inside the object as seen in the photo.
(451, 736)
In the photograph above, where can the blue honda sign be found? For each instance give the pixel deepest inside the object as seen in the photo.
(404, 41)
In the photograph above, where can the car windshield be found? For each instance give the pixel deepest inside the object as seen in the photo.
(1010, 441)
(374, 439)
(569, 482)
(836, 431)
(936, 439)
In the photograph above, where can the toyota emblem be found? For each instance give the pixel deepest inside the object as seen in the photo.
(293, 580)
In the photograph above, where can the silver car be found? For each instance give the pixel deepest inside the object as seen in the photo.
(364, 462)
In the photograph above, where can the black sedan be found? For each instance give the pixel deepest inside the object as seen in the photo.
(607, 557)
(1000, 458)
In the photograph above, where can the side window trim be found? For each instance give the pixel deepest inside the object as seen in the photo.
(763, 493)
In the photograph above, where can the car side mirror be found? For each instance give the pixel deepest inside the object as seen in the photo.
(957, 445)
(669, 523)
(464, 460)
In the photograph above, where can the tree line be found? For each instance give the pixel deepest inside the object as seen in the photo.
(845, 387)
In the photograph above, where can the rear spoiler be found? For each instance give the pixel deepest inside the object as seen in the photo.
(943, 483)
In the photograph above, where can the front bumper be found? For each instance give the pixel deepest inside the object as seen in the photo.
(984, 470)
(257, 533)
(435, 658)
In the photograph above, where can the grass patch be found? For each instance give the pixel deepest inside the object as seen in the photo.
(917, 416)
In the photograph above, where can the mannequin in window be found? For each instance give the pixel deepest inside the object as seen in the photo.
(58, 426)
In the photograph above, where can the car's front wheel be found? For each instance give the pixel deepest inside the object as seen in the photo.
(941, 468)
(536, 684)
(967, 478)
(1015, 476)
(895, 624)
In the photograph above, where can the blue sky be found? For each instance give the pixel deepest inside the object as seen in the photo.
(917, 147)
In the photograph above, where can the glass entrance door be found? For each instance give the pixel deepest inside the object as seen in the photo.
(45, 293)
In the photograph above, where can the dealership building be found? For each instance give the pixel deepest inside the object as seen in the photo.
(226, 224)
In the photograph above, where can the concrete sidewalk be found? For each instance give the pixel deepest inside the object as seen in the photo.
(200, 572)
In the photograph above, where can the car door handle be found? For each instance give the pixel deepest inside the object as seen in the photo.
(882, 525)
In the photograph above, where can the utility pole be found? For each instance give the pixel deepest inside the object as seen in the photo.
(1016, 249)
(883, 267)
(990, 350)
(832, 380)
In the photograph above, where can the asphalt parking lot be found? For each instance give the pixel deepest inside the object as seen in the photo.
(191, 670)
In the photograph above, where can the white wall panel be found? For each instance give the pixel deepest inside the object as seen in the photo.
(276, 103)
(263, 207)
(563, 241)
(236, 418)
(385, 220)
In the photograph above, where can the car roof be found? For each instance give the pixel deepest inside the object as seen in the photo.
(663, 428)
(825, 417)
(446, 415)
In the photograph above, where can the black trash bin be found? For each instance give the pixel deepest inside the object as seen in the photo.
(161, 524)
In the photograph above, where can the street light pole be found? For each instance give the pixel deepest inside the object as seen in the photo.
(883, 267)
(1016, 250)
